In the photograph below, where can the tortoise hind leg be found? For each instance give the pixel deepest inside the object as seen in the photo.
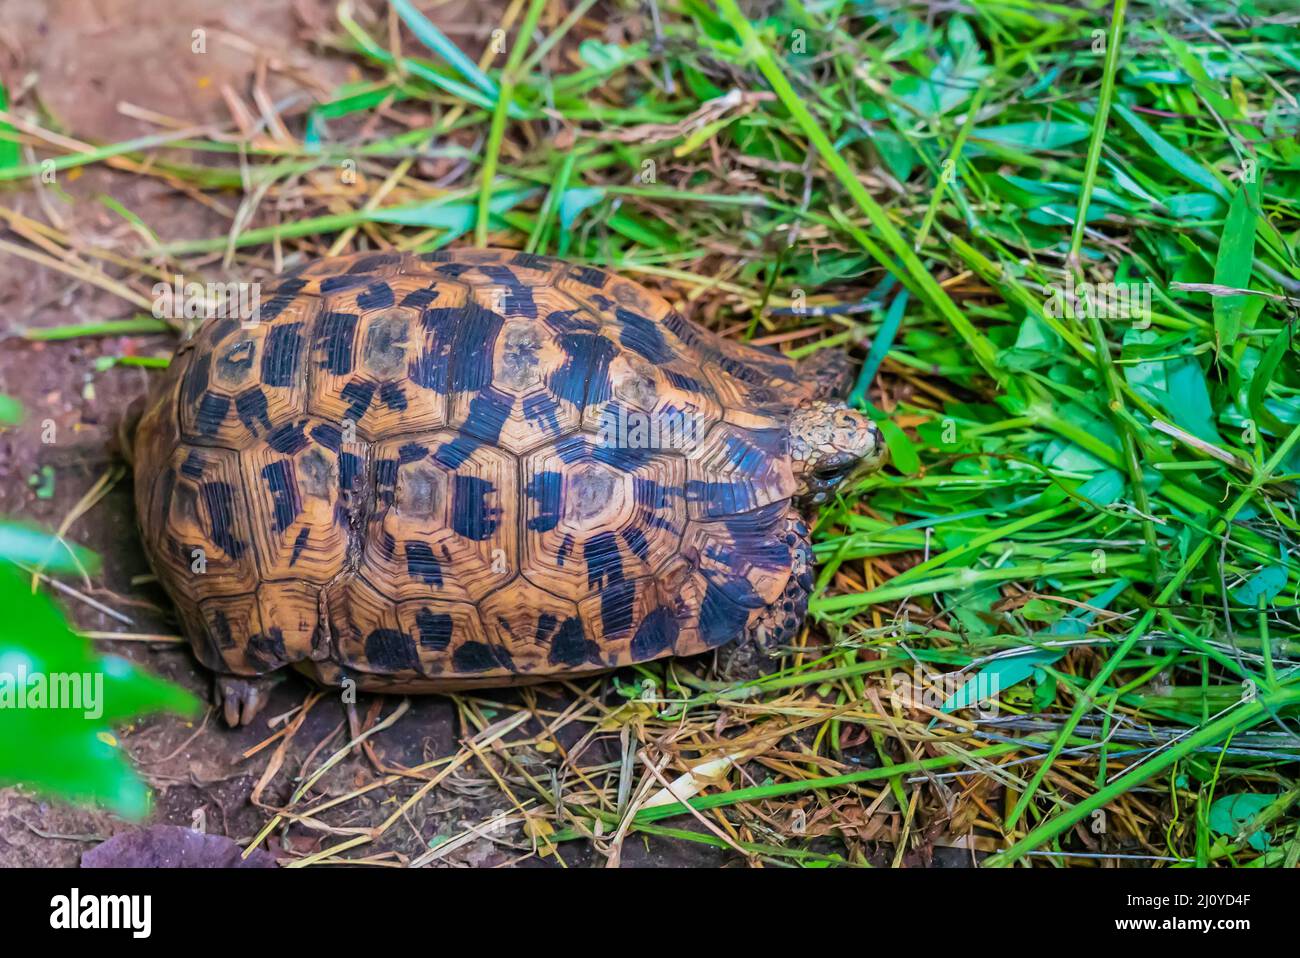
(241, 697)
(779, 624)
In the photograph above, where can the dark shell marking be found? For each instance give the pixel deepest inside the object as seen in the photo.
(410, 472)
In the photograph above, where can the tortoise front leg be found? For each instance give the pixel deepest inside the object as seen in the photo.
(241, 697)
(779, 624)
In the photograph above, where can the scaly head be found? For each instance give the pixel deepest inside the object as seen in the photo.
(829, 444)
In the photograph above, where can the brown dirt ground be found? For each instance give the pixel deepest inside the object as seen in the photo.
(81, 59)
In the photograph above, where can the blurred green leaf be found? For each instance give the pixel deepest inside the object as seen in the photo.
(24, 543)
(11, 410)
(10, 154)
(438, 42)
(1033, 136)
(574, 202)
(603, 56)
(58, 699)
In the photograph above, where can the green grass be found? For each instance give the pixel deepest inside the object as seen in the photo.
(1097, 509)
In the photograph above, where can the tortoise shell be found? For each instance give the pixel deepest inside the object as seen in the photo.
(402, 473)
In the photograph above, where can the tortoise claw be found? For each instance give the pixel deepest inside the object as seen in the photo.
(242, 698)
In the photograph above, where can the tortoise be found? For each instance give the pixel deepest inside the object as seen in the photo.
(469, 468)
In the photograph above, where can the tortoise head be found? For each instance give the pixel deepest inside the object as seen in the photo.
(830, 444)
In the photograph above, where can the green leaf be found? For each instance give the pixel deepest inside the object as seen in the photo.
(1040, 610)
(1068, 457)
(1031, 137)
(1001, 674)
(1037, 345)
(1260, 379)
(1233, 266)
(902, 452)
(896, 152)
(1044, 692)
(57, 700)
(1230, 815)
(1196, 207)
(1175, 158)
(641, 230)
(437, 41)
(606, 57)
(573, 202)
(1264, 584)
(1189, 402)
(10, 155)
(913, 37)
(456, 218)
(11, 410)
(1104, 488)
(880, 346)
(941, 93)
(1207, 87)
(32, 546)
(42, 482)
(355, 97)
(998, 676)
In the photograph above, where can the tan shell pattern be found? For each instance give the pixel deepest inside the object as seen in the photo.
(437, 471)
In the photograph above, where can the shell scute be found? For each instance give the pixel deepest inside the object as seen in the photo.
(245, 378)
(377, 361)
(735, 470)
(596, 516)
(302, 484)
(204, 545)
(525, 386)
(444, 519)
